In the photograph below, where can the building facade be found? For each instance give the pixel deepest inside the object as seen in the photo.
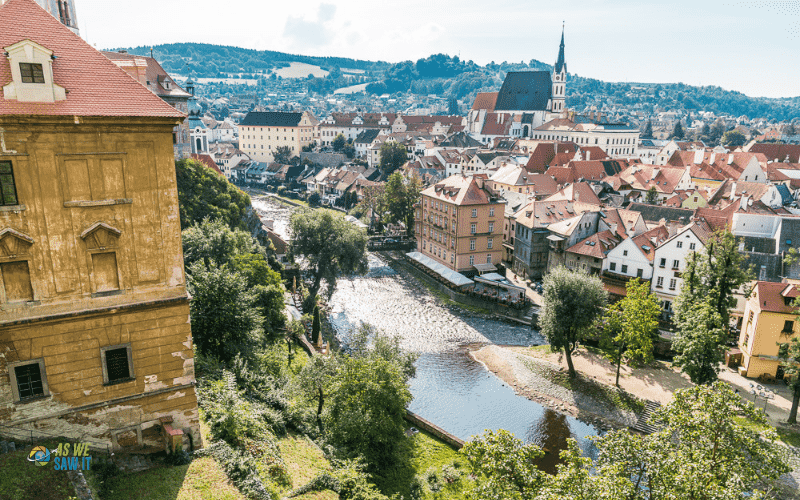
(96, 338)
(262, 133)
(459, 223)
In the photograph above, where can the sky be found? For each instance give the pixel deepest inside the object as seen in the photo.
(748, 46)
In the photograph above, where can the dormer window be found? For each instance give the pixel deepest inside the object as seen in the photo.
(31, 73)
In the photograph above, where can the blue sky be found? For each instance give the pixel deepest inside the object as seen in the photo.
(749, 46)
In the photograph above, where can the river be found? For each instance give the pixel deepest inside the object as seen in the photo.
(450, 389)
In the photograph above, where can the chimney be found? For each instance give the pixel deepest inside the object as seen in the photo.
(712, 157)
(698, 156)
(733, 191)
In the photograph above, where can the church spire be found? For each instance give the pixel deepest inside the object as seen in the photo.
(560, 64)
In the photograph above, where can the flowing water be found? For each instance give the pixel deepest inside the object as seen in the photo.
(450, 389)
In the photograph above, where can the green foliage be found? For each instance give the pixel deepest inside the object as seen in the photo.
(229, 416)
(733, 138)
(331, 246)
(652, 196)
(315, 326)
(647, 133)
(282, 155)
(225, 319)
(203, 193)
(314, 382)
(701, 452)
(215, 244)
(354, 483)
(400, 197)
(504, 467)
(393, 156)
(314, 199)
(630, 325)
(789, 353)
(368, 401)
(677, 131)
(339, 142)
(242, 469)
(571, 303)
(702, 310)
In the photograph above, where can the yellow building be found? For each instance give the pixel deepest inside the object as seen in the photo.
(95, 338)
(459, 223)
(769, 319)
(262, 133)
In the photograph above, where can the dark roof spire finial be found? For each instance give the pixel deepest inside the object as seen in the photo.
(560, 64)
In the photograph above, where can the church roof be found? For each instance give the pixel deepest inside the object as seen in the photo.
(95, 86)
(560, 64)
(524, 91)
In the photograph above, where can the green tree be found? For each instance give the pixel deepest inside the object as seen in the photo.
(733, 138)
(652, 196)
(282, 155)
(366, 410)
(452, 107)
(205, 194)
(790, 129)
(396, 198)
(330, 245)
(314, 199)
(702, 310)
(703, 451)
(315, 326)
(677, 131)
(715, 134)
(630, 325)
(393, 156)
(316, 379)
(648, 130)
(571, 303)
(339, 142)
(789, 353)
(349, 149)
(215, 244)
(225, 320)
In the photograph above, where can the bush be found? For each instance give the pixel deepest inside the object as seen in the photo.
(104, 470)
(241, 469)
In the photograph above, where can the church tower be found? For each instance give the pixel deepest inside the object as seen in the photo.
(559, 92)
(63, 10)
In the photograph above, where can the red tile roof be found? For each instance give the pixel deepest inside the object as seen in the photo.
(208, 161)
(459, 190)
(155, 74)
(95, 86)
(648, 242)
(770, 296)
(778, 152)
(596, 245)
(485, 100)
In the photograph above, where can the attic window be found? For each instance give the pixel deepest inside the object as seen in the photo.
(31, 73)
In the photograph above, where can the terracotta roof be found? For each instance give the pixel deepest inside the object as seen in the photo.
(778, 152)
(578, 191)
(459, 190)
(770, 296)
(543, 213)
(497, 124)
(485, 100)
(155, 74)
(208, 161)
(95, 86)
(596, 245)
(648, 241)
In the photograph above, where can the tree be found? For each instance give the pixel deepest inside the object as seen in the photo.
(314, 199)
(393, 156)
(224, 319)
(630, 325)
(702, 310)
(315, 326)
(648, 130)
(789, 129)
(282, 155)
(367, 405)
(452, 106)
(571, 303)
(677, 131)
(733, 138)
(703, 451)
(205, 194)
(652, 196)
(789, 353)
(338, 142)
(396, 198)
(331, 246)
(349, 149)
(316, 379)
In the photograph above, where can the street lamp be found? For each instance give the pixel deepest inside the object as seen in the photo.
(759, 391)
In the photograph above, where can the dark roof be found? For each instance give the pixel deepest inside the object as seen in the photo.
(654, 213)
(367, 136)
(487, 157)
(790, 234)
(560, 64)
(786, 195)
(756, 244)
(329, 160)
(770, 264)
(460, 140)
(271, 119)
(525, 91)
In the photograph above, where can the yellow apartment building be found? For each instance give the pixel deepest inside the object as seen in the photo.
(261, 133)
(769, 319)
(95, 336)
(459, 223)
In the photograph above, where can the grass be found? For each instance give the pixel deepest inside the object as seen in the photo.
(20, 479)
(304, 461)
(200, 480)
(418, 454)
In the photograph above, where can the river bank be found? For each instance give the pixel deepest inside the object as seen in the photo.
(549, 385)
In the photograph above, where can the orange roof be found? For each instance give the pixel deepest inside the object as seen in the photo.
(459, 190)
(206, 160)
(596, 245)
(95, 86)
(485, 100)
(648, 241)
(155, 74)
(578, 191)
(770, 296)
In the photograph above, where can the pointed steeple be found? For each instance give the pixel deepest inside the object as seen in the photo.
(560, 64)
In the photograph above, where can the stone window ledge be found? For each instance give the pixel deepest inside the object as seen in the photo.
(13, 208)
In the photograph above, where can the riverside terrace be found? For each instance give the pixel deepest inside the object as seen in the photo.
(489, 287)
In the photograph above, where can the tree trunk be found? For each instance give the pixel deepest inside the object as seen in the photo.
(319, 408)
(569, 361)
(795, 401)
(619, 363)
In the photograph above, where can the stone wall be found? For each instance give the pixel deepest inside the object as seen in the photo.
(434, 429)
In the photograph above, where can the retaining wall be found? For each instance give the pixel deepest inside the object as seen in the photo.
(434, 429)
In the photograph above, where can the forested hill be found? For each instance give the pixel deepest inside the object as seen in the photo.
(447, 76)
